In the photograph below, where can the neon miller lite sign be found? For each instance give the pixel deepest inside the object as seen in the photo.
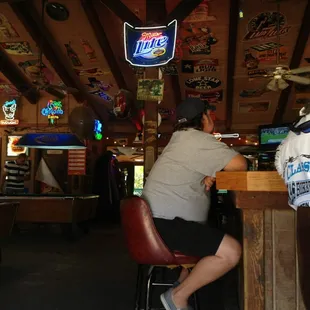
(150, 46)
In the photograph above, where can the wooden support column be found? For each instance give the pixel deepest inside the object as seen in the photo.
(150, 128)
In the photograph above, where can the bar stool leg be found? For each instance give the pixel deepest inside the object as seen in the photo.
(149, 287)
(138, 288)
(196, 301)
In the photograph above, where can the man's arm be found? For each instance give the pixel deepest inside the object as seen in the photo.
(238, 163)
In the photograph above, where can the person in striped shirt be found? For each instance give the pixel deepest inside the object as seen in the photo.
(15, 174)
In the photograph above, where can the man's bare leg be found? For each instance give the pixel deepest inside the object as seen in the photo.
(207, 270)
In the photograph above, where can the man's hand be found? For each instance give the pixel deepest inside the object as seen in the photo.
(208, 181)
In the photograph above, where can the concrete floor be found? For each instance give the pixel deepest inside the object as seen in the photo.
(42, 271)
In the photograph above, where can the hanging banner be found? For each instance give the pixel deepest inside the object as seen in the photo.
(33, 70)
(150, 46)
(265, 25)
(77, 162)
(200, 14)
(213, 97)
(89, 51)
(9, 110)
(150, 90)
(199, 66)
(17, 48)
(91, 72)
(203, 82)
(73, 55)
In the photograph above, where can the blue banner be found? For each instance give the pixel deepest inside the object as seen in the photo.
(150, 46)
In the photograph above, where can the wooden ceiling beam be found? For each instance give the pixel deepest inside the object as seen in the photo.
(10, 70)
(28, 15)
(31, 19)
(301, 42)
(122, 11)
(103, 41)
(231, 60)
(182, 10)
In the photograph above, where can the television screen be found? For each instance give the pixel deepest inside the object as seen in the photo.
(273, 135)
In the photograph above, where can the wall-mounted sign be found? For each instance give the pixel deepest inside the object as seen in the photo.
(151, 90)
(252, 93)
(77, 162)
(150, 46)
(268, 51)
(199, 66)
(9, 110)
(203, 82)
(200, 14)
(17, 48)
(102, 95)
(53, 111)
(253, 107)
(14, 150)
(169, 69)
(98, 129)
(264, 25)
(7, 31)
(212, 97)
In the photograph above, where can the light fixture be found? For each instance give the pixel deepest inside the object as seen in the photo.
(55, 141)
(57, 11)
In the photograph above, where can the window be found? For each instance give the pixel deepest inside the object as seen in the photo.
(138, 182)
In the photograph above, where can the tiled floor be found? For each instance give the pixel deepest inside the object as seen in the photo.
(42, 271)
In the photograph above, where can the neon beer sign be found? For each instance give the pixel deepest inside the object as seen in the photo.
(53, 110)
(150, 46)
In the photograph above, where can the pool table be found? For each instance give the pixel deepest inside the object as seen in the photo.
(68, 210)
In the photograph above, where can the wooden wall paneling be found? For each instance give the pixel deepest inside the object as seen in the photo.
(253, 259)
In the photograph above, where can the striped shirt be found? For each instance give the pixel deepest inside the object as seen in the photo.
(16, 174)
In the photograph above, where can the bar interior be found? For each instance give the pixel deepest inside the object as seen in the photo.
(90, 92)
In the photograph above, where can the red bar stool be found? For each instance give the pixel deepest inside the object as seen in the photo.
(146, 247)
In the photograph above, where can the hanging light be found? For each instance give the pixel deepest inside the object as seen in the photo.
(56, 141)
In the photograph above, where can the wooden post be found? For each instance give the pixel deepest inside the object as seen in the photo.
(150, 128)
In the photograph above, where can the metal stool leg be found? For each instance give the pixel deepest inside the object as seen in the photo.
(138, 288)
(196, 301)
(149, 287)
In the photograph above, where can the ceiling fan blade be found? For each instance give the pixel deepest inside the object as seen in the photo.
(300, 70)
(297, 79)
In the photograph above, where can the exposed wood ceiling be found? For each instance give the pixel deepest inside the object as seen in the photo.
(100, 23)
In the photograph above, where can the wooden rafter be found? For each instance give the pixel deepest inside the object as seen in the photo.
(17, 78)
(122, 11)
(231, 60)
(182, 10)
(28, 15)
(104, 43)
(298, 52)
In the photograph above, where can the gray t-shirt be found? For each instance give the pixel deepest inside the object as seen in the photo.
(174, 187)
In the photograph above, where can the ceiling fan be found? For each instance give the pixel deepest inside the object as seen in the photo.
(279, 74)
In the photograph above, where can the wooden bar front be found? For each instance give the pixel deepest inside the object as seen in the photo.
(270, 277)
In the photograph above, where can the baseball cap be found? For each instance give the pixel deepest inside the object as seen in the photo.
(190, 108)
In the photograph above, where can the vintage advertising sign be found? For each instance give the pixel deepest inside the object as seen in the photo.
(91, 72)
(34, 70)
(252, 93)
(150, 90)
(17, 48)
(169, 69)
(212, 97)
(9, 110)
(257, 72)
(268, 51)
(203, 82)
(253, 107)
(77, 162)
(7, 31)
(53, 111)
(200, 14)
(198, 40)
(264, 26)
(150, 46)
(199, 66)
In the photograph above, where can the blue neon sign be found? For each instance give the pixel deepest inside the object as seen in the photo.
(150, 46)
(98, 130)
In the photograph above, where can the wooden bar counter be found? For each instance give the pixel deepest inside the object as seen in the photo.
(269, 275)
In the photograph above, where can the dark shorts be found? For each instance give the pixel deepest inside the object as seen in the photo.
(189, 238)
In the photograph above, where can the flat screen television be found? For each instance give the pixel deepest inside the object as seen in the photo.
(270, 136)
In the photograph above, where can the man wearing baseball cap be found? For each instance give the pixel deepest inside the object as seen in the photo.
(177, 190)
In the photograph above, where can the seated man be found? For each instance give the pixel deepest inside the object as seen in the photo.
(177, 190)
